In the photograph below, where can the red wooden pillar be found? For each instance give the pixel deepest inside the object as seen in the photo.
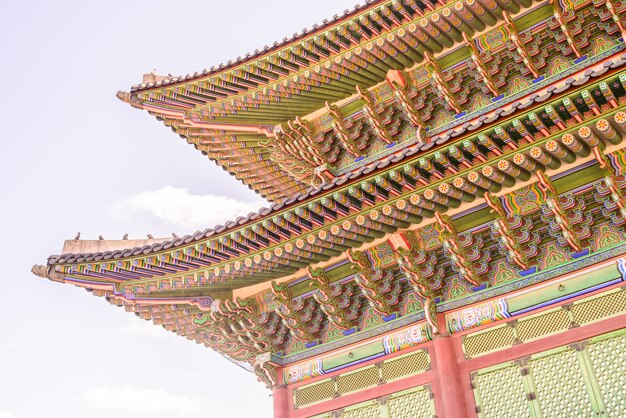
(280, 395)
(449, 395)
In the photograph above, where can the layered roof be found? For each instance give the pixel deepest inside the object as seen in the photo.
(231, 112)
(507, 116)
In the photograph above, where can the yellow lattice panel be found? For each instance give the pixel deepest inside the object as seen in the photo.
(608, 358)
(369, 411)
(361, 379)
(314, 393)
(491, 340)
(600, 307)
(500, 393)
(414, 404)
(560, 385)
(411, 364)
(542, 325)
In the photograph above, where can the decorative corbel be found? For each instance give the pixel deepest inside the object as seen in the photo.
(456, 252)
(508, 240)
(300, 131)
(410, 258)
(617, 195)
(224, 337)
(341, 130)
(558, 16)
(378, 286)
(480, 66)
(269, 322)
(561, 219)
(616, 18)
(440, 83)
(289, 158)
(369, 110)
(519, 46)
(248, 326)
(265, 373)
(398, 84)
(341, 308)
(288, 312)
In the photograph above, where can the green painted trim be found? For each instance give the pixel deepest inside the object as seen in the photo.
(572, 285)
(359, 353)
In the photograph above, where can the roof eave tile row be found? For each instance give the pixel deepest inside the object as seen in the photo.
(316, 28)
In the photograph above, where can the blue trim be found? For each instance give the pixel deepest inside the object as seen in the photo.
(527, 272)
(479, 287)
(349, 331)
(389, 318)
(580, 253)
(581, 59)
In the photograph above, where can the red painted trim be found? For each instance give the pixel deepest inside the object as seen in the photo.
(365, 395)
(547, 343)
(280, 399)
(533, 347)
(450, 371)
(448, 389)
(329, 405)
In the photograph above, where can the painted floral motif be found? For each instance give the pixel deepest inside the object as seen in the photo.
(333, 334)
(606, 236)
(266, 301)
(602, 44)
(492, 40)
(553, 256)
(383, 93)
(382, 255)
(420, 76)
(304, 371)
(502, 273)
(405, 338)
(517, 84)
(477, 102)
(559, 64)
(430, 237)
(524, 200)
(372, 320)
(412, 304)
(475, 316)
(455, 289)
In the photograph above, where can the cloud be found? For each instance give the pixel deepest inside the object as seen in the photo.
(7, 347)
(179, 208)
(145, 329)
(7, 414)
(136, 400)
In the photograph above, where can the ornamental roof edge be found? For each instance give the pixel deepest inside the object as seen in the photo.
(354, 177)
(259, 52)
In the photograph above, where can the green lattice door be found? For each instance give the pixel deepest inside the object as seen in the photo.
(412, 403)
(586, 379)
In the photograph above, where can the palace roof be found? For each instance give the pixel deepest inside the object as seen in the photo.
(233, 113)
(487, 133)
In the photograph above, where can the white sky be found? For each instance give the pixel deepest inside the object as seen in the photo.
(74, 158)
